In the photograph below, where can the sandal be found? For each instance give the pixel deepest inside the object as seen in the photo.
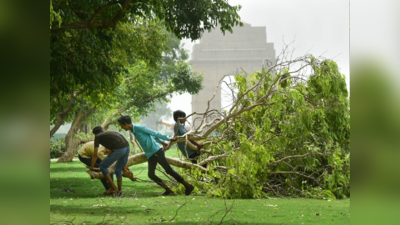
(109, 192)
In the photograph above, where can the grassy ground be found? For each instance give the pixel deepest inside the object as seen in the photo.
(141, 205)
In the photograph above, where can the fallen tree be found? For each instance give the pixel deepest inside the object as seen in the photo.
(287, 134)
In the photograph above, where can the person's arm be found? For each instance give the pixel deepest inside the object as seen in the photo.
(94, 158)
(158, 141)
(164, 144)
(153, 133)
(96, 149)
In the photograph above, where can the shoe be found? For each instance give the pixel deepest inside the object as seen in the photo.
(189, 190)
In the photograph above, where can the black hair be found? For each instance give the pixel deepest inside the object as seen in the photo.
(97, 130)
(125, 119)
(179, 113)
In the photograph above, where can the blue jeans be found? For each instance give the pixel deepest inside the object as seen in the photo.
(119, 155)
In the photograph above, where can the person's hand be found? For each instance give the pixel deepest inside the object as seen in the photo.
(164, 144)
(173, 139)
(108, 151)
(97, 169)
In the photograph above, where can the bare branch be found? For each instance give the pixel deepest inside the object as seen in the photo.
(293, 172)
(212, 158)
(294, 156)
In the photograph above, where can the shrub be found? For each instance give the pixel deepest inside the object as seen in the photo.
(57, 148)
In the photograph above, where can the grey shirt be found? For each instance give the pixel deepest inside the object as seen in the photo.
(181, 145)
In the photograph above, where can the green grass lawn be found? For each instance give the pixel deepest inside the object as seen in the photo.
(141, 205)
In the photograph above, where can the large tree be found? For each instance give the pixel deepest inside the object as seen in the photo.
(141, 87)
(89, 63)
(287, 134)
(186, 19)
(84, 35)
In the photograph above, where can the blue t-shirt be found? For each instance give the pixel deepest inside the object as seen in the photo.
(181, 145)
(146, 139)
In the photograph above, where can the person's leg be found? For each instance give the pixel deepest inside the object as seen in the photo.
(151, 172)
(105, 163)
(104, 180)
(121, 162)
(152, 164)
(193, 158)
(168, 169)
(199, 146)
(88, 162)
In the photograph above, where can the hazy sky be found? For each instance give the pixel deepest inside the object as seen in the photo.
(320, 27)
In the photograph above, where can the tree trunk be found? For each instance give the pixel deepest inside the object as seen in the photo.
(141, 158)
(64, 112)
(60, 121)
(70, 142)
(81, 128)
(89, 130)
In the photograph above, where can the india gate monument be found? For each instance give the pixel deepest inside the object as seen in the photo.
(218, 55)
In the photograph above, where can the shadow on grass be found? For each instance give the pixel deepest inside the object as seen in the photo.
(91, 210)
(73, 168)
(224, 222)
(84, 187)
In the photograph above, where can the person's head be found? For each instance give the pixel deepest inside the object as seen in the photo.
(97, 130)
(125, 122)
(179, 114)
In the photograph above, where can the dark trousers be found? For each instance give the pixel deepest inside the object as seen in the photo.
(159, 157)
(193, 158)
(88, 162)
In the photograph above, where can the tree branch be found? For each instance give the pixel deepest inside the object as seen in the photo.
(294, 156)
(293, 172)
(107, 24)
(109, 121)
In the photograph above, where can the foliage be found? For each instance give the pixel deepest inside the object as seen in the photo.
(185, 19)
(96, 60)
(143, 87)
(97, 40)
(295, 142)
(54, 16)
(57, 148)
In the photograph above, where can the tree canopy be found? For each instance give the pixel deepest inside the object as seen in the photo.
(185, 19)
(140, 88)
(94, 43)
(82, 44)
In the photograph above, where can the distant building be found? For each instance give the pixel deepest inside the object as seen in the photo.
(217, 55)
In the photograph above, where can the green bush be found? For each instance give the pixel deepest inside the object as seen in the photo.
(57, 148)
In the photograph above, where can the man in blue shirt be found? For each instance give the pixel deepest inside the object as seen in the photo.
(154, 153)
(181, 130)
